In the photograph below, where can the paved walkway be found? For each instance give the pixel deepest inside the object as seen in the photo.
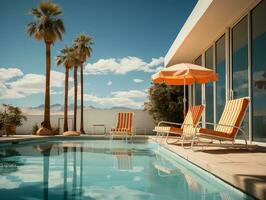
(244, 169)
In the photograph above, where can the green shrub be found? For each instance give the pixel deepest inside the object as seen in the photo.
(165, 103)
(12, 115)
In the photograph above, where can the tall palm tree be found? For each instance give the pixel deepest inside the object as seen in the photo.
(76, 63)
(82, 45)
(49, 28)
(66, 58)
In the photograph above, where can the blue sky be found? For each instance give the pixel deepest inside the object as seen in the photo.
(131, 37)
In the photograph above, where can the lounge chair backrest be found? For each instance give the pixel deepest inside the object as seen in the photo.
(192, 118)
(125, 121)
(233, 114)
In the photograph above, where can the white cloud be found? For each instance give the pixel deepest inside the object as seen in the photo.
(129, 94)
(28, 84)
(131, 98)
(7, 93)
(136, 80)
(9, 73)
(109, 83)
(71, 91)
(123, 65)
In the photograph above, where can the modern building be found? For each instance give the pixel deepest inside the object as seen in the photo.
(228, 36)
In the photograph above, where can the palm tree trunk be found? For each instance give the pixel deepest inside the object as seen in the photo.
(81, 100)
(75, 96)
(46, 120)
(66, 100)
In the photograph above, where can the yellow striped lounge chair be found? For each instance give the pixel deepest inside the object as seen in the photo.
(229, 124)
(124, 125)
(188, 126)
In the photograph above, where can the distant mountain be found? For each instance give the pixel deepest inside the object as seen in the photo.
(54, 109)
(120, 108)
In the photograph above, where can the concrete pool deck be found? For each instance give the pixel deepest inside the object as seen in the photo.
(242, 168)
(245, 169)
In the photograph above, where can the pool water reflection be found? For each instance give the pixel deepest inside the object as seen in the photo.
(104, 170)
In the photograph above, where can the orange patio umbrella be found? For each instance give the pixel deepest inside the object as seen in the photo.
(184, 74)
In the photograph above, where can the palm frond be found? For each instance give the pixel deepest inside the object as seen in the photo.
(46, 26)
(82, 44)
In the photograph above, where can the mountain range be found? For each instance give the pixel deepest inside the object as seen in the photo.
(59, 109)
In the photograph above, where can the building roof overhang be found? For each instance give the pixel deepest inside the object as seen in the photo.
(208, 20)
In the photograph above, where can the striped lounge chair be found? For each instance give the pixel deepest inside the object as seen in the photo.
(187, 127)
(124, 125)
(229, 124)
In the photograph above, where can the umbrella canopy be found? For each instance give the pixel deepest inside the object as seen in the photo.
(184, 74)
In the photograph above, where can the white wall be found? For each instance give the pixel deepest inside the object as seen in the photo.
(142, 121)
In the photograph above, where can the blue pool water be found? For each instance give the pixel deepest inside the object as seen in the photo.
(110, 170)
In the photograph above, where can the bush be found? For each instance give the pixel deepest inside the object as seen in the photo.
(165, 103)
(35, 128)
(10, 118)
(12, 115)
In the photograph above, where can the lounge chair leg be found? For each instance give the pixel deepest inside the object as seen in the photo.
(167, 137)
(183, 138)
(192, 142)
(162, 138)
(245, 138)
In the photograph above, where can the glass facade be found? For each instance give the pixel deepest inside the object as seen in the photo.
(198, 92)
(240, 63)
(258, 17)
(240, 59)
(243, 44)
(209, 87)
(220, 70)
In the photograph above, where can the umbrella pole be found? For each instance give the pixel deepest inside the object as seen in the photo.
(184, 98)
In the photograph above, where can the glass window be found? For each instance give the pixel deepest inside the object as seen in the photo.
(198, 86)
(220, 69)
(209, 87)
(240, 63)
(258, 17)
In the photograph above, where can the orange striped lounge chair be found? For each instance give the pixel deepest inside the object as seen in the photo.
(229, 124)
(189, 125)
(124, 125)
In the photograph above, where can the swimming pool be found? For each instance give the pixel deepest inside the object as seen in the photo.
(103, 169)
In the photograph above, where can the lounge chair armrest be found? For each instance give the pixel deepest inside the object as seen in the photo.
(173, 123)
(216, 124)
(170, 123)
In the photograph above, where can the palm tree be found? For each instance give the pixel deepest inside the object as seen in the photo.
(83, 46)
(49, 28)
(66, 58)
(75, 64)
